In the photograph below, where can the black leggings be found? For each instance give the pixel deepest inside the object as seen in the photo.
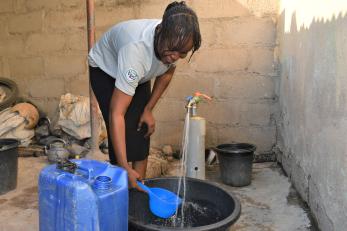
(137, 146)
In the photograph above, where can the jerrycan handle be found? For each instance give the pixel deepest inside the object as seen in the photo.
(71, 167)
(87, 173)
(66, 165)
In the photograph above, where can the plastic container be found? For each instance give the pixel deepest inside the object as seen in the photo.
(83, 195)
(208, 207)
(235, 161)
(8, 164)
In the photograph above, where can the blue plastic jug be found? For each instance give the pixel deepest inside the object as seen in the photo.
(83, 195)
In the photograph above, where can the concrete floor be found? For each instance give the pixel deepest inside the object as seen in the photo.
(268, 204)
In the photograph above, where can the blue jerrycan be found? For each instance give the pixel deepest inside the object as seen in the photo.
(83, 195)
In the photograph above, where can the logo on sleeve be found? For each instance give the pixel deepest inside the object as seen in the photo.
(131, 75)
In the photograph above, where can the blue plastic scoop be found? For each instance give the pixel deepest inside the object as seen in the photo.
(162, 203)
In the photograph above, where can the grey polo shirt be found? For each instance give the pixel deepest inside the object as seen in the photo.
(126, 52)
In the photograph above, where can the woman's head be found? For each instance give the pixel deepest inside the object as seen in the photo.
(177, 34)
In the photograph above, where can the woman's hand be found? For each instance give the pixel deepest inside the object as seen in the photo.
(147, 118)
(134, 176)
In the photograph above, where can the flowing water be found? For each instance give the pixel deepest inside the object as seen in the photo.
(182, 173)
(197, 213)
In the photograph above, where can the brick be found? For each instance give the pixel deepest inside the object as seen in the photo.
(262, 61)
(119, 3)
(77, 41)
(219, 9)
(220, 112)
(152, 9)
(185, 85)
(4, 67)
(211, 138)
(66, 20)
(170, 110)
(54, 4)
(101, 3)
(258, 114)
(67, 65)
(237, 112)
(26, 67)
(28, 22)
(109, 17)
(39, 88)
(11, 46)
(220, 60)
(78, 85)
(248, 31)
(45, 43)
(245, 86)
(39, 4)
(47, 107)
(72, 3)
(3, 27)
(263, 137)
(261, 8)
(167, 133)
(6, 6)
(208, 33)
(52, 107)
(22, 84)
(40, 104)
(19, 6)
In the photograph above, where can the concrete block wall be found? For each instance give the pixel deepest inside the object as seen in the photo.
(43, 48)
(236, 65)
(312, 104)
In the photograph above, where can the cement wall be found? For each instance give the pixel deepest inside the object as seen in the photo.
(313, 100)
(43, 48)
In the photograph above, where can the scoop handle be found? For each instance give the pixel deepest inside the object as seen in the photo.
(144, 187)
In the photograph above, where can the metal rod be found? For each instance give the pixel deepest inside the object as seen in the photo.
(93, 103)
(90, 23)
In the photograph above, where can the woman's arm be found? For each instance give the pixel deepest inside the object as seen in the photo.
(160, 84)
(118, 107)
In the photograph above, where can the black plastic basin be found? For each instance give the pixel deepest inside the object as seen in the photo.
(8, 164)
(207, 207)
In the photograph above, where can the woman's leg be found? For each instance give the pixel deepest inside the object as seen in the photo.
(141, 167)
(137, 145)
(103, 86)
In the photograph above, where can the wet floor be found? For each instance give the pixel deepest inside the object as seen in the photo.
(268, 204)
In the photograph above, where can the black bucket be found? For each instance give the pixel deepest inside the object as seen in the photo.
(207, 207)
(8, 164)
(235, 161)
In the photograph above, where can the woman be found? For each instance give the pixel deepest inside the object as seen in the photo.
(122, 63)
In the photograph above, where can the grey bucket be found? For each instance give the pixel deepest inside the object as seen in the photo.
(235, 162)
(8, 164)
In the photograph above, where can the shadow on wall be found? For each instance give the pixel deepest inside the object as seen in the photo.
(307, 12)
(313, 99)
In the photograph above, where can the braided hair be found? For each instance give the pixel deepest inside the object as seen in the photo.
(179, 24)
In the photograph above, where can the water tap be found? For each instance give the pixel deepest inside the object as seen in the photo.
(192, 102)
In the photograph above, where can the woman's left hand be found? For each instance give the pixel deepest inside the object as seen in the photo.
(147, 118)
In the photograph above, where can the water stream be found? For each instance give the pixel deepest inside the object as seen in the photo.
(182, 172)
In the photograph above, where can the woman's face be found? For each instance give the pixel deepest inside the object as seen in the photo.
(171, 55)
